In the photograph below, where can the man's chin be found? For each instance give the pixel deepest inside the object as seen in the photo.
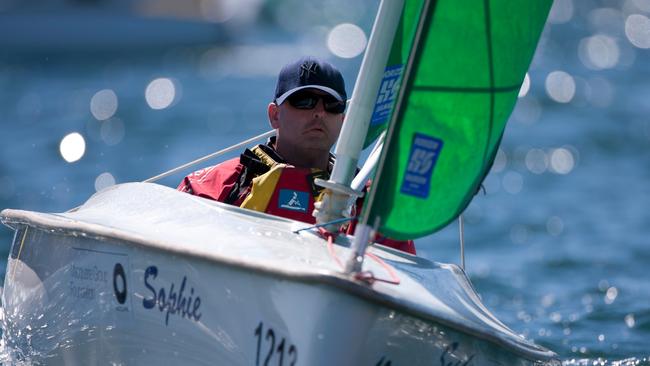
(316, 145)
(315, 138)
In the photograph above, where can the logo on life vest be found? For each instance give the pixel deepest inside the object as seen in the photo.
(293, 200)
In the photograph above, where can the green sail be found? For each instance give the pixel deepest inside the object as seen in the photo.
(392, 78)
(458, 90)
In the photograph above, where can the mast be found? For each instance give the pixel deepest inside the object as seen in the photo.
(357, 119)
(364, 231)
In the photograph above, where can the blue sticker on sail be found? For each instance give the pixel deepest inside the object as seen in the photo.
(387, 94)
(293, 200)
(422, 159)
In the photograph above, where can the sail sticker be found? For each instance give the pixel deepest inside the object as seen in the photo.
(293, 200)
(387, 94)
(422, 159)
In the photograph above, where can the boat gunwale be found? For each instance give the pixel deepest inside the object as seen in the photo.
(56, 224)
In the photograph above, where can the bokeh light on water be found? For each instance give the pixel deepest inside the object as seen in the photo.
(103, 104)
(346, 40)
(560, 86)
(104, 180)
(611, 295)
(599, 52)
(637, 30)
(536, 161)
(562, 161)
(160, 93)
(72, 147)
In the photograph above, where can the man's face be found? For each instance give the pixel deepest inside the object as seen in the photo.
(306, 129)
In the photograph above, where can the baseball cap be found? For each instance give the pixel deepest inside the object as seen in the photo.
(309, 72)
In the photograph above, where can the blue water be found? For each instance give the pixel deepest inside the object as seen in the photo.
(557, 246)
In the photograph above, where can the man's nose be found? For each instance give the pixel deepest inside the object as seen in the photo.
(319, 109)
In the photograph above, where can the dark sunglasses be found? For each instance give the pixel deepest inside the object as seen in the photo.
(308, 100)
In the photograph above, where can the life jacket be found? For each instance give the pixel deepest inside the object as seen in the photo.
(284, 190)
(260, 180)
(216, 182)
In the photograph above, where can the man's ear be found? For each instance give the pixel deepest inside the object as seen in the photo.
(274, 115)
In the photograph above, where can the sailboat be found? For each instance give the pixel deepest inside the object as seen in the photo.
(144, 274)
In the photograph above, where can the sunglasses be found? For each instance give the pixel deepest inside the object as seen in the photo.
(308, 100)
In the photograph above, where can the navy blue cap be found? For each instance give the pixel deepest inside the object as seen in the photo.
(309, 72)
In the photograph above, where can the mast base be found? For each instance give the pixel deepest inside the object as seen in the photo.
(336, 203)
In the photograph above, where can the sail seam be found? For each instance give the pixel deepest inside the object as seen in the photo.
(452, 89)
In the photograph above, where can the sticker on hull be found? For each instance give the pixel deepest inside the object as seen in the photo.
(100, 277)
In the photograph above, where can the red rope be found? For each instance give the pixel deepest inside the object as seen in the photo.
(394, 279)
(366, 276)
(330, 245)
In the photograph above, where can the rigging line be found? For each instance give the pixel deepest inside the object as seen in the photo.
(337, 221)
(394, 279)
(488, 39)
(453, 89)
(209, 156)
(461, 232)
(428, 9)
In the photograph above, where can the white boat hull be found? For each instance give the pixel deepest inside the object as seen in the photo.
(80, 293)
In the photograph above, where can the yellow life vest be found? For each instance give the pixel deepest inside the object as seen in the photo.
(284, 190)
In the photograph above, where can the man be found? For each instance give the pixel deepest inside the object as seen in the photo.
(278, 177)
